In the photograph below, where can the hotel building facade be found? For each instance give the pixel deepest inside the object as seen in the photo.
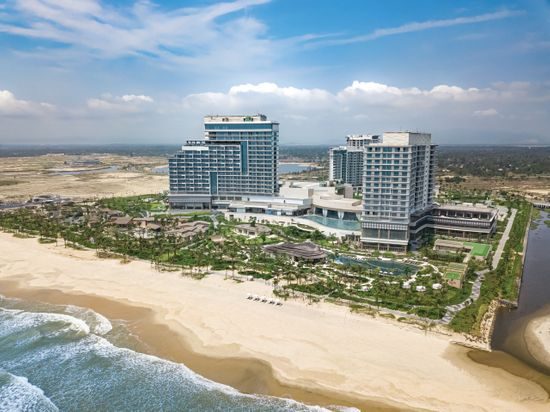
(237, 159)
(346, 162)
(399, 181)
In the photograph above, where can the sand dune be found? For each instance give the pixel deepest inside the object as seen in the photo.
(317, 347)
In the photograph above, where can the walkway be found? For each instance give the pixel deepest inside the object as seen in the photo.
(504, 239)
(474, 295)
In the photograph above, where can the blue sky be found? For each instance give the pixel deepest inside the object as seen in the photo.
(95, 71)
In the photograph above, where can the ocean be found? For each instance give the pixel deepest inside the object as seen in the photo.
(67, 358)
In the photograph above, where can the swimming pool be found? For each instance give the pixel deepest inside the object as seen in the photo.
(390, 267)
(335, 223)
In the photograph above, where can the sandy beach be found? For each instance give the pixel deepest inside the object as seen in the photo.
(296, 350)
(537, 339)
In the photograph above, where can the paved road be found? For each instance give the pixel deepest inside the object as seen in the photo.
(503, 239)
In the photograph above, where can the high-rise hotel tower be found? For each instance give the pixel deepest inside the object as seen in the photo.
(346, 162)
(399, 173)
(237, 158)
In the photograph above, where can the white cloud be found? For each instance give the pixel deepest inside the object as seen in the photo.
(373, 88)
(318, 115)
(356, 95)
(128, 103)
(452, 113)
(420, 26)
(261, 96)
(136, 98)
(186, 35)
(274, 89)
(11, 106)
(486, 113)
(214, 36)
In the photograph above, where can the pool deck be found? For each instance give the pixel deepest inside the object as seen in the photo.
(292, 220)
(388, 266)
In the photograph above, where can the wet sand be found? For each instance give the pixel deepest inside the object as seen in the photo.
(537, 339)
(248, 375)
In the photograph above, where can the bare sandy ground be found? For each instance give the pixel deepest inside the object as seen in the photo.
(322, 347)
(24, 177)
(531, 186)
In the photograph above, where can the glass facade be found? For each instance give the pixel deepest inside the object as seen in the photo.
(238, 157)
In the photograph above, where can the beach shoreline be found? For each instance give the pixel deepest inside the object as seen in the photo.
(248, 375)
(317, 354)
(537, 339)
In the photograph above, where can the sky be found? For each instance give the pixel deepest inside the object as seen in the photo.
(146, 72)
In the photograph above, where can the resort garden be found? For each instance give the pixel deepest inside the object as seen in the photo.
(412, 286)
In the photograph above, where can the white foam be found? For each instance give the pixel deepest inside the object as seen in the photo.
(18, 394)
(124, 360)
(18, 320)
(345, 409)
(169, 370)
(99, 324)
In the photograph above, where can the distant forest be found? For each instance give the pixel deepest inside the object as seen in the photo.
(489, 161)
(483, 161)
(300, 153)
(82, 150)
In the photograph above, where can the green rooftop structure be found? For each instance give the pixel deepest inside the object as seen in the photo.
(478, 249)
(455, 273)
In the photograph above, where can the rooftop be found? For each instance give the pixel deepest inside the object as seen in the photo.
(337, 202)
(123, 221)
(305, 250)
(256, 228)
(468, 207)
(361, 139)
(190, 229)
(235, 118)
(449, 243)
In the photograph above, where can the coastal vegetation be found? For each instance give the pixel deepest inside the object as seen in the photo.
(141, 227)
(137, 227)
(501, 283)
(136, 205)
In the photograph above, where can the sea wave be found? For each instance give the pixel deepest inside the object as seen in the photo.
(98, 323)
(17, 394)
(70, 357)
(17, 320)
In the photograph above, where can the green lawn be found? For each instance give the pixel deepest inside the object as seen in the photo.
(452, 275)
(478, 249)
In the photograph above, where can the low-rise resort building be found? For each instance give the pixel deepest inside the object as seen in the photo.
(298, 251)
(248, 229)
(188, 230)
(462, 220)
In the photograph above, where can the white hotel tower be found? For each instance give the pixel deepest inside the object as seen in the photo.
(236, 159)
(399, 173)
(346, 162)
